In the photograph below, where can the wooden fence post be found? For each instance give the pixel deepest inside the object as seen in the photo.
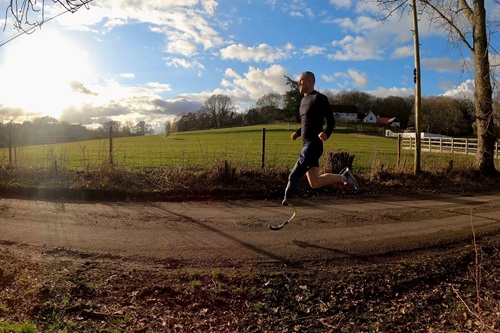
(111, 145)
(399, 150)
(263, 165)
(10, 144)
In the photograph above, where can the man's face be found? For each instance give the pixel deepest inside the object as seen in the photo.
(305, 84)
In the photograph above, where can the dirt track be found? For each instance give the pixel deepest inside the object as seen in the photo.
(236, 233)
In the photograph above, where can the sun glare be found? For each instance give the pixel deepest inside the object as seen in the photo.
(37, 71)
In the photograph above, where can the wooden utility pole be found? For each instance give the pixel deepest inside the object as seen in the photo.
(418, 88)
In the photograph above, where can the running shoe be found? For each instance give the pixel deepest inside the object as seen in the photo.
(348, 178)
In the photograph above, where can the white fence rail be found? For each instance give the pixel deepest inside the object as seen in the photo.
(446, 145)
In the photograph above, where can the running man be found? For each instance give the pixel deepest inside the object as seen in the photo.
(314, 109)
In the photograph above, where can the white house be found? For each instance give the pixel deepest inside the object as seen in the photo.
(370, 118)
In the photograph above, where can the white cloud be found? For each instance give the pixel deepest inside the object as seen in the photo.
(260, 53)
(115, 102)
(464, 90)
(257, 82)
(159, 87)
(402, 52)
(341, 3)
(443, 65)
(356, 48)
(359, 80)
(184, 23)
(366, 37)
(182, 47)
(210, 6)
(294, 8)
(350, 80)
(244, 89)
(127, 75)
(360, 25)
(296, 14)
(314, 50)
(394, 91)
(184, 63)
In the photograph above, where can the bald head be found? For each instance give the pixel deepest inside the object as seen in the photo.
(306, 82)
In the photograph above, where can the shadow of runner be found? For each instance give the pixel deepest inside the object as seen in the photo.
(234, 239)
(304, 245)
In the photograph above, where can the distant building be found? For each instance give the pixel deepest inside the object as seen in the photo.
(345, 113)
(345, 117)
(388, 122)
(370, 118)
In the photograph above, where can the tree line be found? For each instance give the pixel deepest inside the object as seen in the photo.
(47, 130)
(440, 115)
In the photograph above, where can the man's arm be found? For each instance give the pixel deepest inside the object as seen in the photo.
(296, 134)
(330, 119)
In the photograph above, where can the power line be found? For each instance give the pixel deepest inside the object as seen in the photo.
(27, 31)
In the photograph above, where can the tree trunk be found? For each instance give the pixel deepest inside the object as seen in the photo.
(483, 95)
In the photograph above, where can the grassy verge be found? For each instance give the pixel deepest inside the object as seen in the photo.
(219, 183)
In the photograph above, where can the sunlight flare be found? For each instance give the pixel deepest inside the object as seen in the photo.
(39, 72)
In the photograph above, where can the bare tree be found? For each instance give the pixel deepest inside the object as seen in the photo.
(467, 25)
(168, 128)
(445, 115)
(219, 108)
(29, 14)
(143, 128)
(112, 123)
(364, 102)
(269, 106)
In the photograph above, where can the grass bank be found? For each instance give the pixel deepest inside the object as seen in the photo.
(217, 164)
(242, 147)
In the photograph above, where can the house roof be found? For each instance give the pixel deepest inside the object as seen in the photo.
(386, 120)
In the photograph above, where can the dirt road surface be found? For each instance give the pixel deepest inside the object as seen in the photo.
(236, 233)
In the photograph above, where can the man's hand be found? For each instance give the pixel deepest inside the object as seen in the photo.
(294, 136)
(322, 136)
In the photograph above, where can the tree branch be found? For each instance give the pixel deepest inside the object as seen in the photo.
(451, 23)
(21, 11)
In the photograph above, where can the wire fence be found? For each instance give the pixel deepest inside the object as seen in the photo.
(247, 148)
(252, 147)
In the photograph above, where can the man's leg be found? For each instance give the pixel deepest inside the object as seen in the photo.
(299, 170)
(317, 180)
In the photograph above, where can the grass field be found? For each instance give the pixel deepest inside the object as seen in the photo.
(241, 147)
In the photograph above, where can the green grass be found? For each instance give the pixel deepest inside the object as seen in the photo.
(241, 146)
(26, 327)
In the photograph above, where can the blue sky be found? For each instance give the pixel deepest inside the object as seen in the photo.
(153, 60)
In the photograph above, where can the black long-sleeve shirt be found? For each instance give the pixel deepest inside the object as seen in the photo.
(314, 109)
